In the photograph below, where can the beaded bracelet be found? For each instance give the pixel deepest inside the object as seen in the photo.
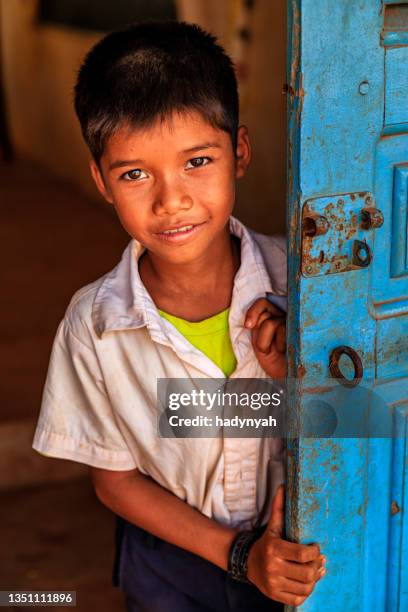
(239, 552)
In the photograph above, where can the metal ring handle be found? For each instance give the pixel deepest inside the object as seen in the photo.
(335, 369)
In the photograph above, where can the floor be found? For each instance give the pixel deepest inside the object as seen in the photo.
(59, 537)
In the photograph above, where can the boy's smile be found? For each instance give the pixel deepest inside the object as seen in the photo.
(173, 184)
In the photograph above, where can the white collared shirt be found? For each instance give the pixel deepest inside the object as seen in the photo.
(99, 404)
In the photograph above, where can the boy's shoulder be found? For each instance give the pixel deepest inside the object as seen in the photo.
(270, 245)
(82, 311)
(78, 314)
(105, 303)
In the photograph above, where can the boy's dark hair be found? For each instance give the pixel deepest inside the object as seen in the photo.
(148, 70)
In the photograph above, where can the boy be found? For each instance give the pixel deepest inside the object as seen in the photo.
(158, 107)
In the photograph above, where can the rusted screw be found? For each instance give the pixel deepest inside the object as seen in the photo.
(309, 269)
(395, 508)
(371, 218)
(315, 225)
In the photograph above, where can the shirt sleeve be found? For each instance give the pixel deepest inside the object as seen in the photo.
(76, 419)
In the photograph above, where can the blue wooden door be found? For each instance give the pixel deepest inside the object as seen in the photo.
(348, 291)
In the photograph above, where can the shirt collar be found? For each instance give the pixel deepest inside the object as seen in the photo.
(122, 301)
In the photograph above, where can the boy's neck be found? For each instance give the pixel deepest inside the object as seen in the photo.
(195, 290)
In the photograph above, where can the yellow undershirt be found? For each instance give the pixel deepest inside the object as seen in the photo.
(210, 336)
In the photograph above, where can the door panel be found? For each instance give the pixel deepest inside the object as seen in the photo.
(390, 267)
(348, 160)
(396, 98)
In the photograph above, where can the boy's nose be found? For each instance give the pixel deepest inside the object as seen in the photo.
(170, 199)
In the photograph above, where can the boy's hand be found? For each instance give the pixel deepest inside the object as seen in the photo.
(268, 325)
(284, 571)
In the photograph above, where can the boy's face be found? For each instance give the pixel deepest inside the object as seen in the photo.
(177, 174)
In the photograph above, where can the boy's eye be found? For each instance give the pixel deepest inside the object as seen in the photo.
(197, 162)
(133, 175)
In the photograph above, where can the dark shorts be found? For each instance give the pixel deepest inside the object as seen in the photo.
(156, 576)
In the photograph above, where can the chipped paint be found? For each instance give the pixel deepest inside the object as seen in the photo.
(395, 509)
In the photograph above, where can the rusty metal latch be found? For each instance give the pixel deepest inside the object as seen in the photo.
(337, 233)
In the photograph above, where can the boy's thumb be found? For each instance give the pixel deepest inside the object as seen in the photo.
(277, 519)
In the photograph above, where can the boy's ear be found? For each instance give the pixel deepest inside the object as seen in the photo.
(99, 182)
(243, 152)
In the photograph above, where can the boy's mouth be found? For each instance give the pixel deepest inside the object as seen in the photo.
(180, 232)
(184, 228)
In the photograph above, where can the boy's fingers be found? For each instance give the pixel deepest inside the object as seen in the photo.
(277, 519)
(303, 572)
(266, 334)
(280, 338)
(301, 553)
(255, 310)
(258, 307)
(294, 586)
(264, 316)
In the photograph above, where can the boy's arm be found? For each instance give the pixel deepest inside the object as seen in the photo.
(284, 571)
(143, 502)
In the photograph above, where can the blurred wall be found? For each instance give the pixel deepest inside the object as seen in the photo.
(263, 110)
(40, 64)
